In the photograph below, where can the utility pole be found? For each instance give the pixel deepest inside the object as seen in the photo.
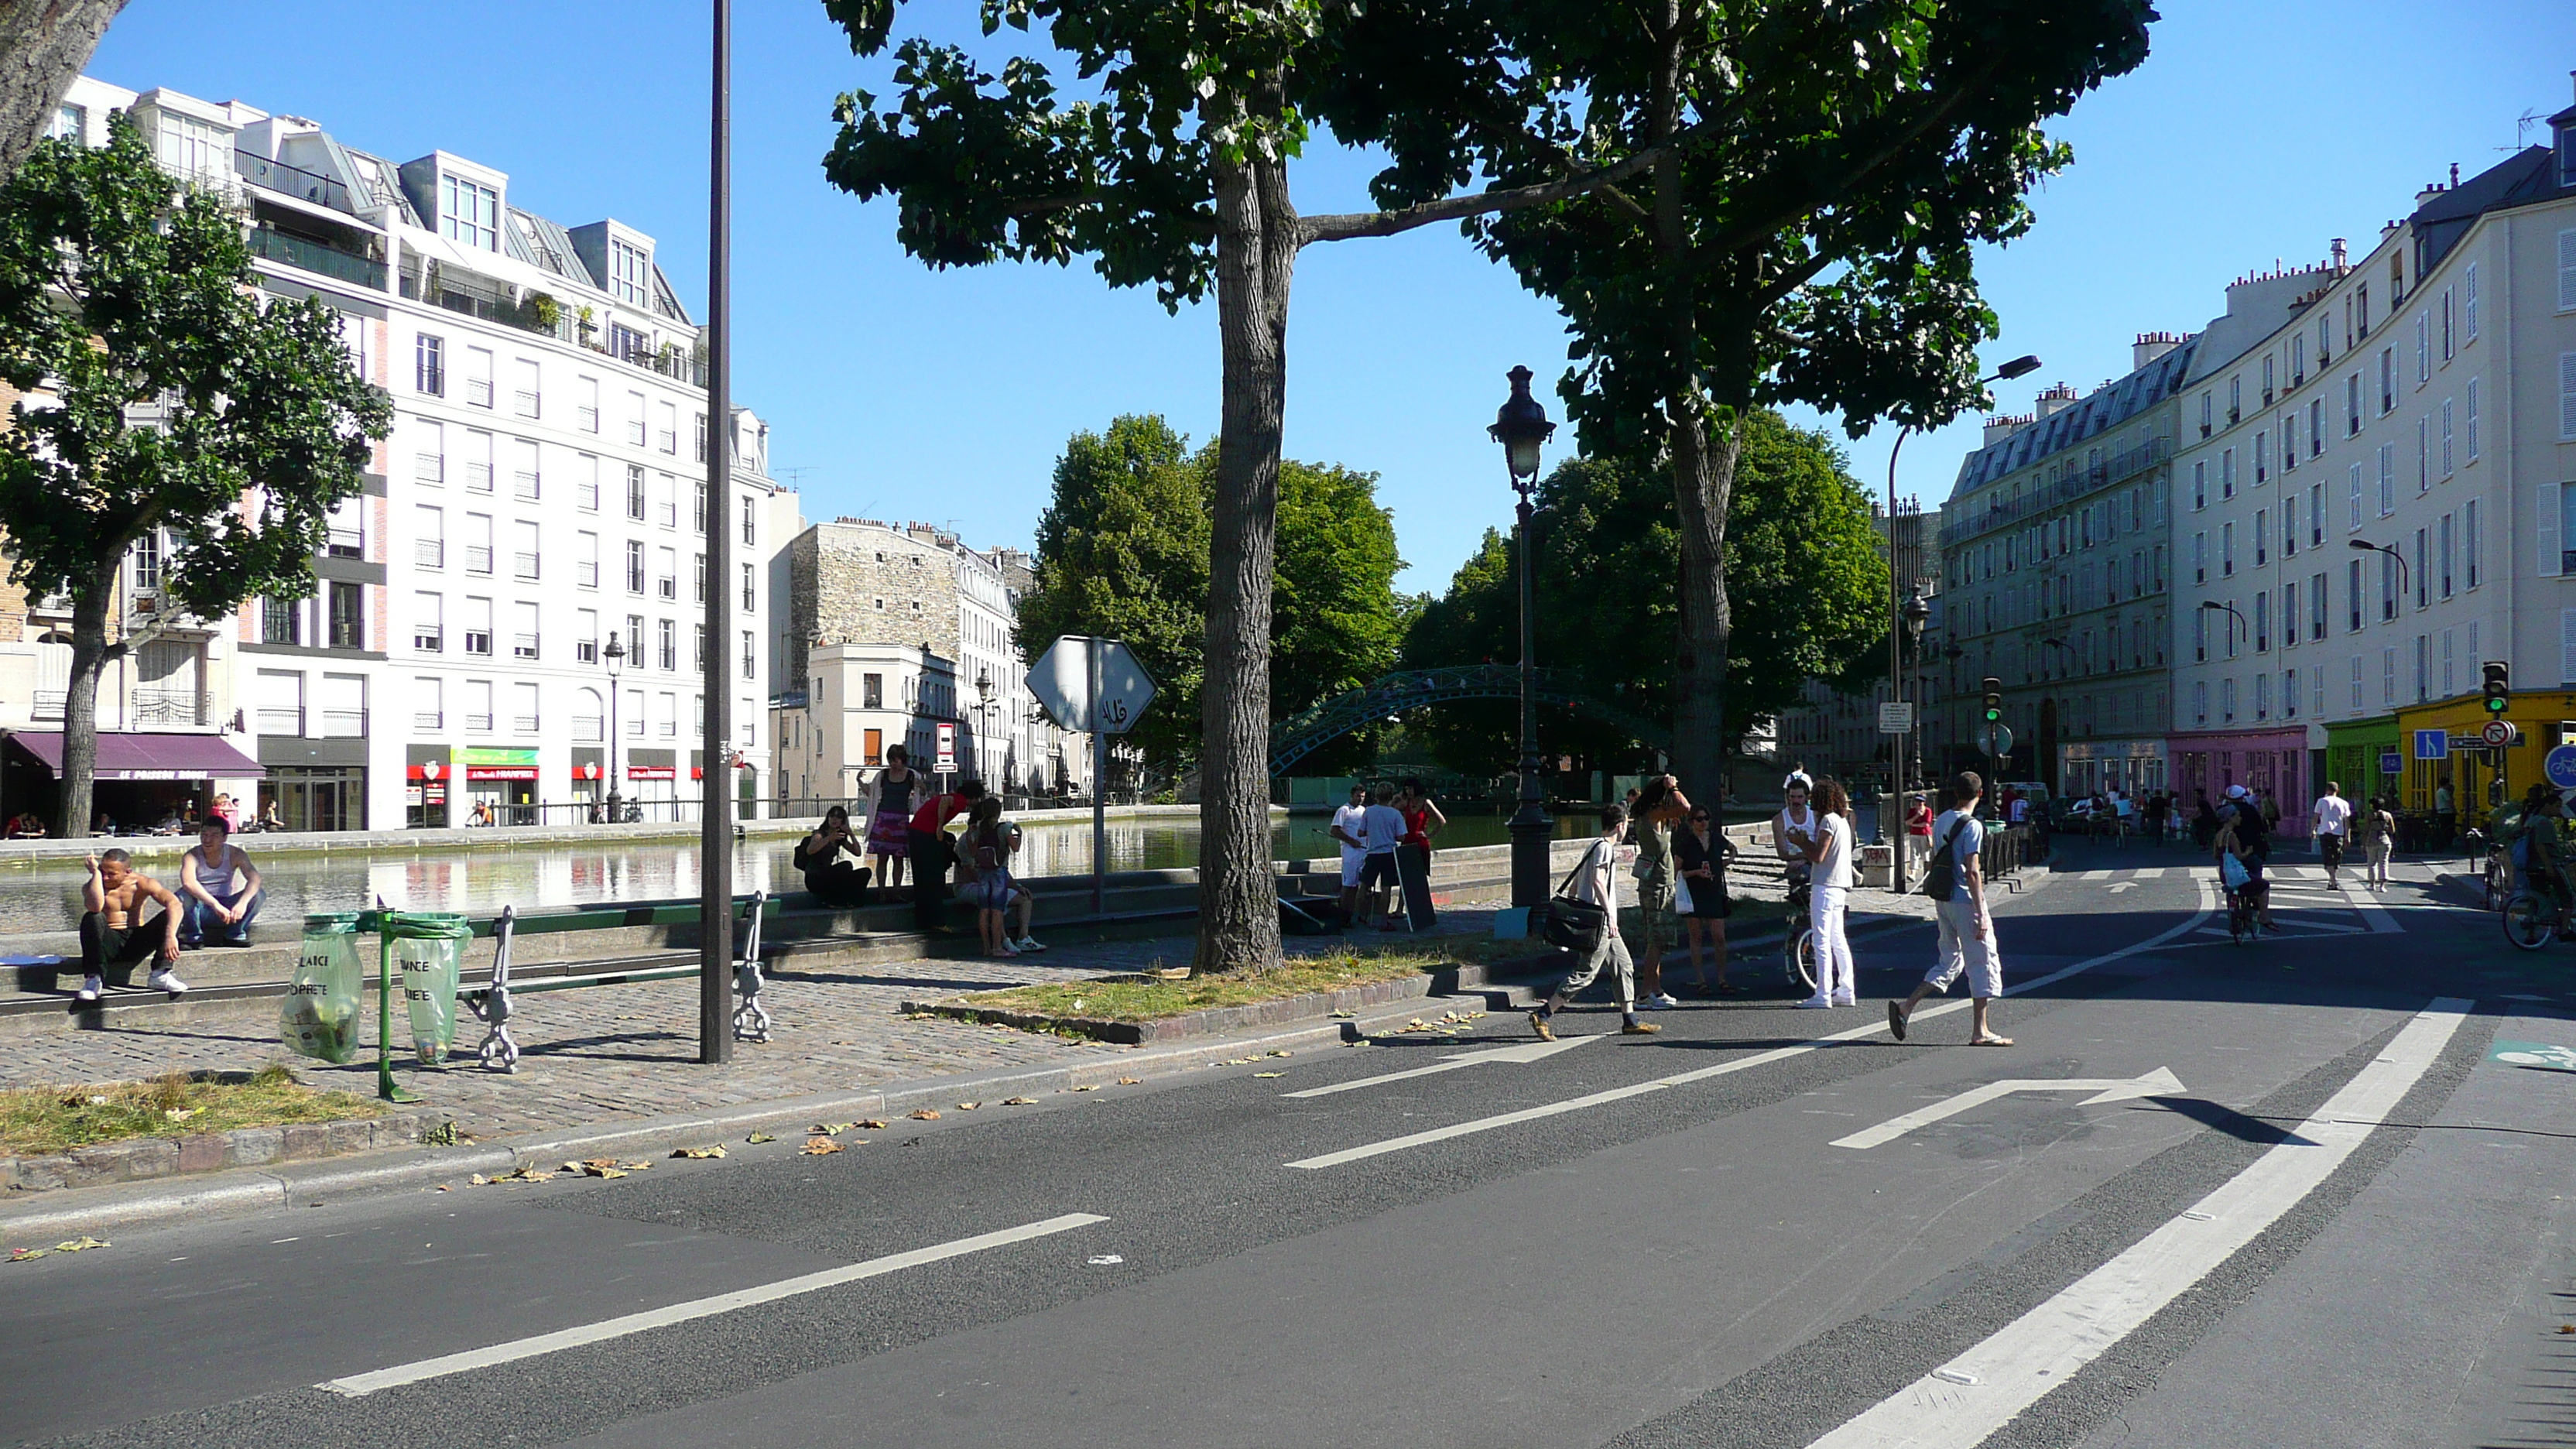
(715, 814)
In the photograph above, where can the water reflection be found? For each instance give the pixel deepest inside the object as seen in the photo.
(480, 882)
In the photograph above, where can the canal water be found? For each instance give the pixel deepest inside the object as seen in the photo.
(481, 881)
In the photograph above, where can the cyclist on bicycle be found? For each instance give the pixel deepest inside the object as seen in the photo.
(2543, 835)
(2241, 834)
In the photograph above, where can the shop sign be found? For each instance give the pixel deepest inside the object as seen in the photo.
(652, 772)
(2389, 764)
(500, 772)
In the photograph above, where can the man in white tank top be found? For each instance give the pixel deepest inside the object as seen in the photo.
(219, 889)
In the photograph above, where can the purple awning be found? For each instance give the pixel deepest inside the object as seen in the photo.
(150, 757)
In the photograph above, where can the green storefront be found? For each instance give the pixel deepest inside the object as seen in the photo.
(2357, 751)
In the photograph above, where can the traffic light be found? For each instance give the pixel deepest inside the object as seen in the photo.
(2499, 689)
(1994, 700)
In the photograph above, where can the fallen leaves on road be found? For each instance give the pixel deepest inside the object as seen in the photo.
(1093, 1087)
(817, 1146)
(604, 1167)
(1279, 1054)
(1269, 1074)
(1019, 1101)
(1344, 1015)
(1129, 1081)
(26, 1255)
(524, 1174)
(924, 1114)
(968, 1106)
(872, 1124)
(82, 1244)
(760, 1137)
(698, 1152)
(831, 1129)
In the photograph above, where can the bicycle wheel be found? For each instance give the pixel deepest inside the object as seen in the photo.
(2529, 922)
(1799, 961)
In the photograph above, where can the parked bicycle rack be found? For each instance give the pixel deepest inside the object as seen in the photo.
(492, 1003)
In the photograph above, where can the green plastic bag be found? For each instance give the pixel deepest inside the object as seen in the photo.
(326, 995)
(429, 951)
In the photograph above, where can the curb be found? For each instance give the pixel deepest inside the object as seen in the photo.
(1218, 1019)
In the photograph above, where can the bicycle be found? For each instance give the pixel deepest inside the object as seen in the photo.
(2241, 923)
(2530, 920)
(1798, 940)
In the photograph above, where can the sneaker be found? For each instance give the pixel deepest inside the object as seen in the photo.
(1816, 1003)
(1007, 950)
(1029, 943)
(1639, 1028)
(1538, 1024)
(91, 986)
(162, 980)
(1896, 1020)
(1662, 1001)
(1846, 1001)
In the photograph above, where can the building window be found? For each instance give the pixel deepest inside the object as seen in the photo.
(2227, 473)
(2262, 537)
(872, 691)
(469, 213)
(2423, 348)
(2469, 301)
(2262, 696)
(70, 123)
(2289, 613)
(750, 590)
(2387, 381)
(750, 656)
(2422, 571)
(2388, 675)
(2200, 704)
(281, 621)
(634, 566)
(701, 655)
(478, 626)
(668, 636)
(429, 365)
(750, 521)
(626, 268)
(2289, 694)
(2227, 700)
(347, 616)
(427, 633)
(2352, 595)
(2387, 479)
(2263, 622)
(701, 577)
(2199, 484)
(635, 492)
(2352, 405)
(2469, 541)
(2226, 550)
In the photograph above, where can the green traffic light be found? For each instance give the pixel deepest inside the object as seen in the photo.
(2498, 704)
(1994, 716)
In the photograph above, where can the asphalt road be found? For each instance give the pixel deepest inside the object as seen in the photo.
(2317, 1215)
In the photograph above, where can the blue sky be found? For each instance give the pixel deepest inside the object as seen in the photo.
(2254, 132)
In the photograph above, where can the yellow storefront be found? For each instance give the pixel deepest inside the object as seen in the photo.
(2480, 777)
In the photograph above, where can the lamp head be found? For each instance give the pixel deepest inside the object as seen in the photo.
(2021, 366)
(2365, 545)
(1522, 427)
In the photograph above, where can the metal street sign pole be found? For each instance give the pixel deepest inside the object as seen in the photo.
(1099, 787)
(715, 826)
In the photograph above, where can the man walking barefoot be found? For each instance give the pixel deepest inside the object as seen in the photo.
(1597, 880)
(1967, 930)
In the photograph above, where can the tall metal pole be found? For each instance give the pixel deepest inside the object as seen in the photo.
(715, 813)
(1099, 786)
(1531, 826)
(1896, 661)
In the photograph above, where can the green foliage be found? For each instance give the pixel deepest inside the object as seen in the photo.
(1806, 562)
(178, 400)
(1122, 550)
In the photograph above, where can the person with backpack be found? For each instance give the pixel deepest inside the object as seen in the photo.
(2378, 831)
(1955, 879)
(2242, 839)
(1595, 881)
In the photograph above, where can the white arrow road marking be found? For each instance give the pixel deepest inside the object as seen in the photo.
(1962, 1403)
(1529, 1051)
(2160, 1082)
(358, 1385)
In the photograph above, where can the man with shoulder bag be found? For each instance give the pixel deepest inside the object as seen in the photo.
(1955, 880)
(1594, 883)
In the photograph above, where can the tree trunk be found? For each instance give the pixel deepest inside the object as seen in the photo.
(1703, 486)
(80, 702)
(1256, 255)
(43, 45)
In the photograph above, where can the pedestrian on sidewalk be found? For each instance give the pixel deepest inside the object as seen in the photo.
(2334, 827)
(112, 928)
(1966, 938)
(1422, 820)
(1596, 882)
(889, 817)
(2157, 809)
(219, 889)
(932, 852)
(829, 861)
(1348, 824)
(1701, 851)
(988, 866)
(2378, 832)
(1829, 853)
(1660, 805)
(1381, 831)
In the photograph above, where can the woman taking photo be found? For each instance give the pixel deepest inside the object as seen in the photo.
(828, 858)
(1829, 853)
(889, 816)
(1702, 851)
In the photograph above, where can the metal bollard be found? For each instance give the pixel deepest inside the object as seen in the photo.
(750, 1018)
(498, 1052)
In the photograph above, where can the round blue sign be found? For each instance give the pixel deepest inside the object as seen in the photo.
(2561, 767)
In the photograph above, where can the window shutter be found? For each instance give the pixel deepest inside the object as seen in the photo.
(2567, 394)
(2566, 270)
(2545, 515)
(2567, 646)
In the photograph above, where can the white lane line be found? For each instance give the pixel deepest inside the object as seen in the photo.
(1961, 1403)
(2159, 1083)
(2095, 875)
(1520, 1052)
(1922, 1013)
(357, 1385)
(2381, 922)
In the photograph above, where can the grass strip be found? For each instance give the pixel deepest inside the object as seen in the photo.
(1148, 998)
(38, 1121)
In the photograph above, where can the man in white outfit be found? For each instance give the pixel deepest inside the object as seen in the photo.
(1967, 928)
(2333, 815)
(1349, 827)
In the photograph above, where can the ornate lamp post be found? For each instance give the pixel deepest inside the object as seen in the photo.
(1521, 426)
(615, 654)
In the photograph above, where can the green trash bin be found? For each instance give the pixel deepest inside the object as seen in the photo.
(429, 951)
(323, 1000)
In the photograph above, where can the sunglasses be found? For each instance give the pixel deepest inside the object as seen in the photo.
(1699, 817)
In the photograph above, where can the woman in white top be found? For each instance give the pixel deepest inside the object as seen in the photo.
(1828, 850)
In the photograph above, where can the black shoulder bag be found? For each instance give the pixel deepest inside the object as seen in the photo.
(1941, 877)
(1571, 924)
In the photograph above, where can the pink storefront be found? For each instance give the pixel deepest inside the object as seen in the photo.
(2208, 761)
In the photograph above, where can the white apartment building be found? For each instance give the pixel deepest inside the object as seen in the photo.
(2373, 500)
(543, 495)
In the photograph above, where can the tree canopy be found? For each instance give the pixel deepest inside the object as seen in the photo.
(171, 398)
(1122, 550)
(1609, 587)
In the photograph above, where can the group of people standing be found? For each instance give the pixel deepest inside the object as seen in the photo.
(907, 827)
(1385, 838)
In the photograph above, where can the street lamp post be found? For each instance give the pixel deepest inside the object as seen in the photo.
(615, 654)
(1917, 613)
(715, 746)
(1521, 426)
(2366, 546)
(2018, 367)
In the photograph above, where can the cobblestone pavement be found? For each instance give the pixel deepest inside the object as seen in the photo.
(631, 1051)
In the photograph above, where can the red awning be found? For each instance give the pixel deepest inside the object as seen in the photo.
(150, 757)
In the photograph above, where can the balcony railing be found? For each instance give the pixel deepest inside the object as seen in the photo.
(478, 392)
(294, 181)
(478, 724)
(524, 485)
(429, 553)
(429, 467)
(169, 706)
(312, 256)
(478, 558)
(346, 543)
(2077, 483)
(586, 728)
(49, 703)
(524, 565)
(428, 719)
(478, 477)
(523, 724)
(344, 724)
(526, 403)
(284, 722)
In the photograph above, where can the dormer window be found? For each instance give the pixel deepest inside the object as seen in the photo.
(469, 213)
(627, 268)
(196, 150)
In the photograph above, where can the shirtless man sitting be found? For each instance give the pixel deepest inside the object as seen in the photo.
(112, 928)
